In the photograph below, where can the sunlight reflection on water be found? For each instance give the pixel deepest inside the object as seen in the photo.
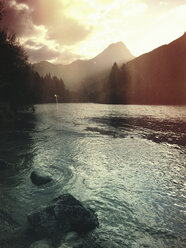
(118, 159)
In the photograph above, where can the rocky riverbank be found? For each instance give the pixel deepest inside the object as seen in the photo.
(65, 222)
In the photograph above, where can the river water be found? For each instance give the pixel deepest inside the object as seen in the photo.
(125, 161)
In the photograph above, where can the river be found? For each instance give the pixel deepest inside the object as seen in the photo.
(127, 162)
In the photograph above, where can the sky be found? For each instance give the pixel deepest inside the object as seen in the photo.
(61, 31)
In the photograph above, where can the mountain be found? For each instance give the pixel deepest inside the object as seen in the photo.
(158, 77)
(76, 73)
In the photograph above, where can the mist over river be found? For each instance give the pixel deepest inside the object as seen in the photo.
(125, 161)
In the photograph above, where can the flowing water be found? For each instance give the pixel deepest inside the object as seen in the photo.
(127, 162)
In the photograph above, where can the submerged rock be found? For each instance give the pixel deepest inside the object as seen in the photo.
(72, 237)
(41, 244)
(65, 214)
(39, 179)
(71, 240)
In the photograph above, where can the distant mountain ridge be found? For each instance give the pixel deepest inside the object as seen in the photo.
(159, 77)
(156, 77)
(77, 72)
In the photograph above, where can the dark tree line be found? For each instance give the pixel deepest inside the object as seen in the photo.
(117, 85)
(111, 87)
(14, 73)
(20, 86)
(48, 89)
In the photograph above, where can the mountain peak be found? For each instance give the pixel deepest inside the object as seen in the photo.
(115, 52)
(78, 71)
(117, 44)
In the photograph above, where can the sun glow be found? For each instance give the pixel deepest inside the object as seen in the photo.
(72, 29)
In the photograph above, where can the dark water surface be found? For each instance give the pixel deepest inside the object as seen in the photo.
(126, 162)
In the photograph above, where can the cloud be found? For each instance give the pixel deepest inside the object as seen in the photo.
(60, 30)
(67, 56)
(17, 18)
(136, 9)
(179, 12)
(23, 17)
(63, 28)
(70, 33)
(176, 15)
(43, 53)
(163, 3)
(32, 44)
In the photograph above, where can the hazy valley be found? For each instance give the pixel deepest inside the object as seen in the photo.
(157, 77)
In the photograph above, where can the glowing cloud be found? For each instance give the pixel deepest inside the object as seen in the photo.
(67, 28)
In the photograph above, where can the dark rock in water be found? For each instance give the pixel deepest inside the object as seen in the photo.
(72, 237)
(65, 214)
(3, 165)
(67, 199)
(41, 244)
(40, 179)
(91, 240)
